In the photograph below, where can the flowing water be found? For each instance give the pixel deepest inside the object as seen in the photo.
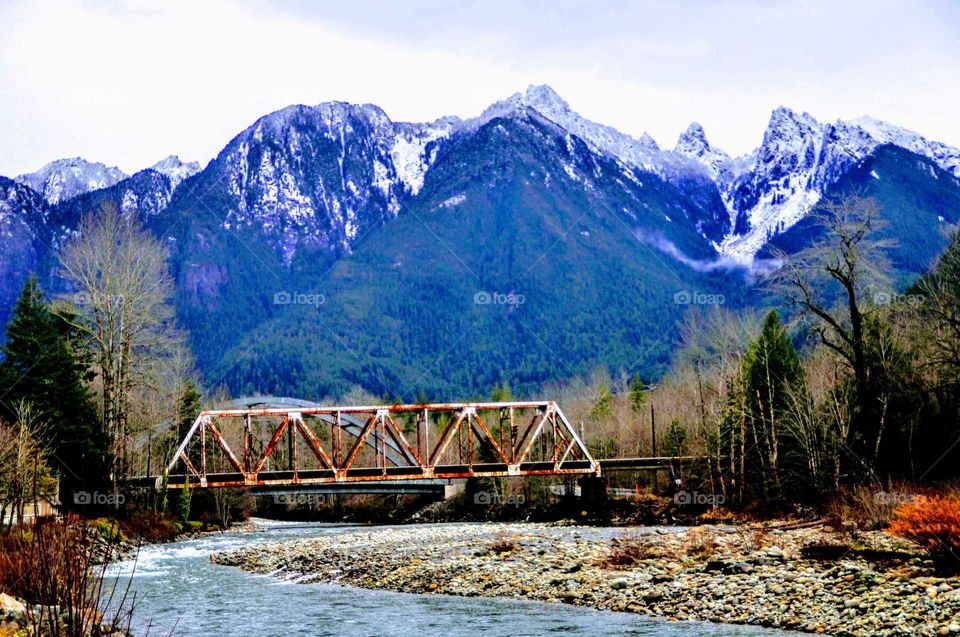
(180, 592)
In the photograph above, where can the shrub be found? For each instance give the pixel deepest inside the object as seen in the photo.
(56, 566)
(183, 503)
(700, 541)
(934, 523)
(150, 526)
(868, 507)
(626, 551)
(502, 544)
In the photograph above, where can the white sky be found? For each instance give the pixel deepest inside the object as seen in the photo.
(129, 83)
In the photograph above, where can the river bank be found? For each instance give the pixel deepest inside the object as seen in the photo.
(882, 586)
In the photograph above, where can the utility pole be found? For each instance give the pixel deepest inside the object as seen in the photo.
(653, 429)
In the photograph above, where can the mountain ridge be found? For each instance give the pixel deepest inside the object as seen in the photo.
(339, 202)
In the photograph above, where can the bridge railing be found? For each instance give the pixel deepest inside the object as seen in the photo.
(315, 445)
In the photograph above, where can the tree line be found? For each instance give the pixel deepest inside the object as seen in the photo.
(95, 381)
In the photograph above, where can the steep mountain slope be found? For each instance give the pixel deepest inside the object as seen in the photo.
(918, 202)
(26, 236)
(525, 257)
(798, 160)
(64, 179)
(146, 193)
(287, 196)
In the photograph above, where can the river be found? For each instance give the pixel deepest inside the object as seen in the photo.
(179, 592)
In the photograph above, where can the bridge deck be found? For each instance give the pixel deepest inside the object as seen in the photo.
(407, 475)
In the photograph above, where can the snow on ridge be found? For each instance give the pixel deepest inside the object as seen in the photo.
(175, 169)
(408, 151)
(799, 159)
(64, 179)
(643, 153)
(693, 143)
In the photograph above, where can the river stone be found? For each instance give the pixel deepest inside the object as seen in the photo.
(619, 583)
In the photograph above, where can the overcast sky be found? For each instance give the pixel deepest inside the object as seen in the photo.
(129, 83)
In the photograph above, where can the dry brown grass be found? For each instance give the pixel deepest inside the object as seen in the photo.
(700, 542)
(869, 507)
(54, 565)
(755, 538)
(627, 551)
(502, 543)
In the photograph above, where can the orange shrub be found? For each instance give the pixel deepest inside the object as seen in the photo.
(933, 523)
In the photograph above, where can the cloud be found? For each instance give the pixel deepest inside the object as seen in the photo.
(130, 83)
(753, 268)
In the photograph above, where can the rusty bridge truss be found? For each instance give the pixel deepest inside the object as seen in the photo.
(318, 445)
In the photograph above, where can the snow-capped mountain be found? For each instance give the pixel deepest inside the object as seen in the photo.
(693, 143)
(400, 224)
(798, 159)
(146, 194)
(320, 176)
(64, 179)
(176, 170)
(643, 153)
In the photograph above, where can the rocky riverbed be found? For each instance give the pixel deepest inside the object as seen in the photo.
(868, 585)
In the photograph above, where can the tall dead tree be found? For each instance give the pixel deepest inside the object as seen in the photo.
(836, 283)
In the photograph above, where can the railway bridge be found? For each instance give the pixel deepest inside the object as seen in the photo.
(271, 445)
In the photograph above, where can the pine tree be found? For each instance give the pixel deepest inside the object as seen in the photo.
(501, 393)
(42, 366)
(638, 394)
(188, 408)
(770, 368)
(183, 503)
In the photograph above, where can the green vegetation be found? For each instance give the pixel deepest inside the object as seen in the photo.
(44, 366)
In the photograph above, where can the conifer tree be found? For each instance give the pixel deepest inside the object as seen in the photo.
(770, 368)
(43, 366)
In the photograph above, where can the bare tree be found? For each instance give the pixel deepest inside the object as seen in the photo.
(25, 475)
(938, 308)
(831, 283)
(123, 291)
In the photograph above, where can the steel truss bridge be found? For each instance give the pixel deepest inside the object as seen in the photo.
(293, 444)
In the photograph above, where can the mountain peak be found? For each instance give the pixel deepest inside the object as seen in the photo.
(787, 119)
(66, 178)
(649, 142)
(544, 99)
(693, 141)
(175, 169)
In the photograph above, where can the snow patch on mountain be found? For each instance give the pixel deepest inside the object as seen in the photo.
(797, 161)
(409, 150)
(693, 143)
(64, 179)
(176, 170)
